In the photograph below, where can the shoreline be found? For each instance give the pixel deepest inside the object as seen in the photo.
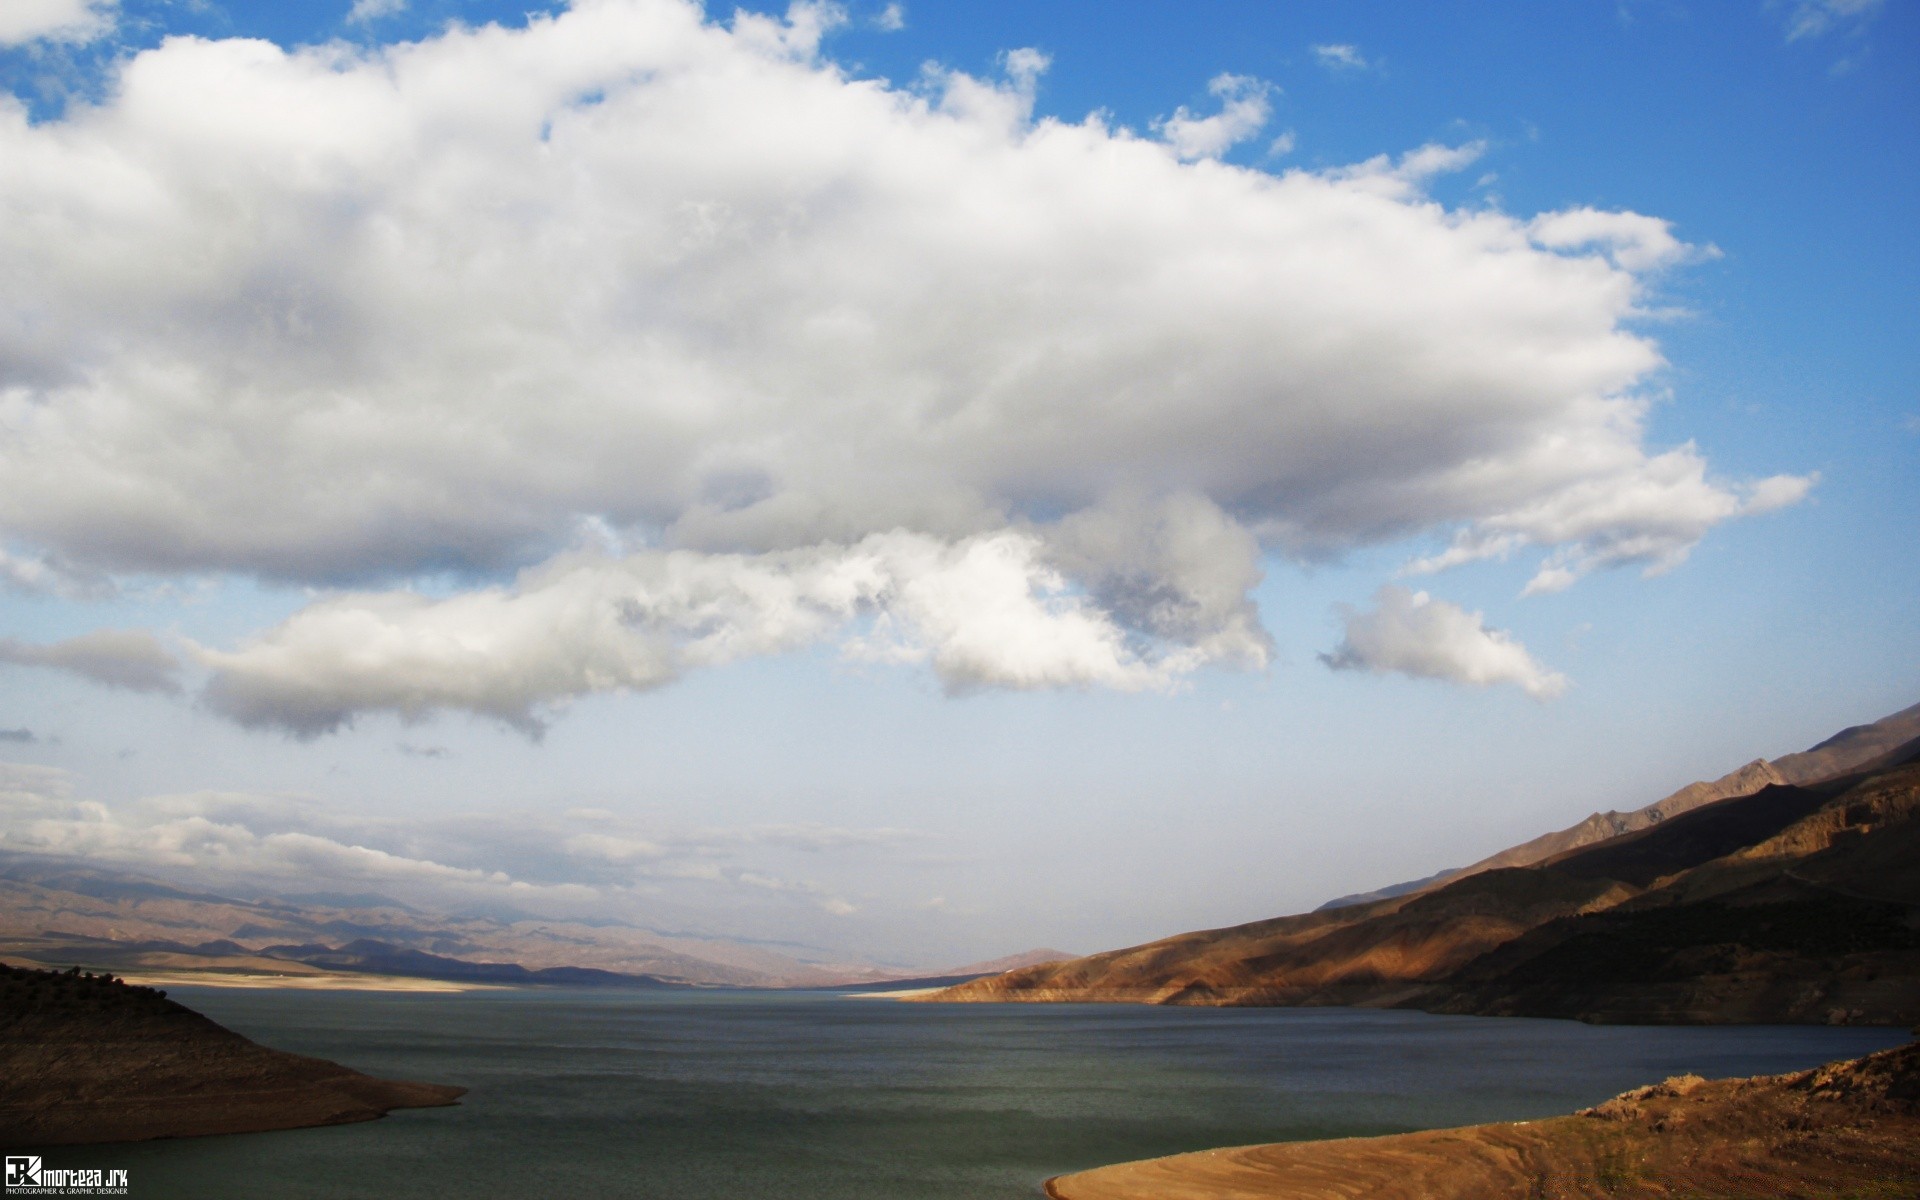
(1846, 1128)
(309, 979)
(324, 982)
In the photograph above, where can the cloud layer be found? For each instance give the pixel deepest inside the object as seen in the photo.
(794, 349)
(1414, 634)
(580, 862)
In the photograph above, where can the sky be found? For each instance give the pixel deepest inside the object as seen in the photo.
(922, 481)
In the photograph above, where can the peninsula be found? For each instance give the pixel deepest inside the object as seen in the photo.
(88, 1058)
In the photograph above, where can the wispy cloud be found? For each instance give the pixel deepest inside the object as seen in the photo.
(1815, 18)
(1341, 56)
(365, 11)
(118, 658)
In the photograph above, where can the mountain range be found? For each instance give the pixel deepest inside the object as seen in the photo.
(61, 912)
(1784, 891)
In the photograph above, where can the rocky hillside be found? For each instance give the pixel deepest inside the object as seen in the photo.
(1793, 903)
(87, 1058)
(1852, 749)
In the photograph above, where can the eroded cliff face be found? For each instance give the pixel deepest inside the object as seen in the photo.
(86, 1058)
(1847, 1129)
(1793, 903)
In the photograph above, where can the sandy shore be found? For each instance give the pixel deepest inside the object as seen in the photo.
(899, 994)
(326, 981)
(1847, 1129)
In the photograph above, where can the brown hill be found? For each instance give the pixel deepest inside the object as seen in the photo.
(1852, 749)
(1793, 903)
(1848, 1129)
(86, 1058)
(1026, 958)
(1815, 921)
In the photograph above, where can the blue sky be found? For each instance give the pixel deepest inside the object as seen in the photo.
(715, 492)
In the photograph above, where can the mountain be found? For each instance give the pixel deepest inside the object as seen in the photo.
(1848, 750)
(1794, 902)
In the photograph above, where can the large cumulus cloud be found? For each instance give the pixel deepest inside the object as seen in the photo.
(632, 278)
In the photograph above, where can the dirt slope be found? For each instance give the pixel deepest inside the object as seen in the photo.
(1791, 904)
(1850, 1129)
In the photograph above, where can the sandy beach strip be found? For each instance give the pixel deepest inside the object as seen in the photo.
(326, 981)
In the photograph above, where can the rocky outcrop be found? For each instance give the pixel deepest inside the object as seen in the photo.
(86, 1058)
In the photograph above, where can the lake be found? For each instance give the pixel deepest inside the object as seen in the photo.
(678, 1095)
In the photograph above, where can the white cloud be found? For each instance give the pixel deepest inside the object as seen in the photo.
(891, 19)
(1244, 109)
(1634, 242)
(1647, 512)
(1414, 634)
(626, 276)
(364, 11)
(1813, 18)
(1341, 56)
(121, 658)
(985, 611)
(73, 21)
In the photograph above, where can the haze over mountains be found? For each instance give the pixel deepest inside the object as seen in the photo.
(1795, 899)
(1740, 877)
(57, 911)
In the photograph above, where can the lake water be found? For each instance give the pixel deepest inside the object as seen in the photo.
(807, 1096)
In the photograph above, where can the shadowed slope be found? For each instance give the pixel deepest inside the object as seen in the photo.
(85, 1058)
(1854, 749)
(1791, 904)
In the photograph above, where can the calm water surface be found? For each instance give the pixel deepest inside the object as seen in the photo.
(806, 1096)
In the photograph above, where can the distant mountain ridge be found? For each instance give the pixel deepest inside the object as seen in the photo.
(1847, 750)
(1794, 902)
(61, 912)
